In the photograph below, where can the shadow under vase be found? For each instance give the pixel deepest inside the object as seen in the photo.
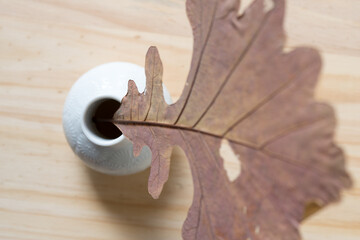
(137, 215)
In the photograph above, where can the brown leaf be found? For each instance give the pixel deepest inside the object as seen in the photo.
(244, 88)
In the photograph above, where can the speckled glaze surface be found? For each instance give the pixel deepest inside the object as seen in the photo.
(113, 156)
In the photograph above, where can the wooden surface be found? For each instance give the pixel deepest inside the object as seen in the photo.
(47, 193)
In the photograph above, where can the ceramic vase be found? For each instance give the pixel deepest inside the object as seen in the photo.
(98, 94)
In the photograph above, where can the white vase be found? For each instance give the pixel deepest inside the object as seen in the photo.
(99, 92)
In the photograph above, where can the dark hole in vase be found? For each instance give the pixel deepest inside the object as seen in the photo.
(100, 115)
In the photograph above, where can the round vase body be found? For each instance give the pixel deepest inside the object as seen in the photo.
(102, 87)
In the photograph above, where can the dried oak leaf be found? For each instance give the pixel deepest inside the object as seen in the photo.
(244, 89)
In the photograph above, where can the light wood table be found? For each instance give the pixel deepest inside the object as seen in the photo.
(45, 45)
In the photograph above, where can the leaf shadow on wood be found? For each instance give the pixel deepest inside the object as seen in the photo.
(135, 214)
(312, 208)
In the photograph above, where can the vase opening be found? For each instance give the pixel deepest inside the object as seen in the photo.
(97, 124)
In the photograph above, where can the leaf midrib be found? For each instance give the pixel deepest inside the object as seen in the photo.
(242, 143)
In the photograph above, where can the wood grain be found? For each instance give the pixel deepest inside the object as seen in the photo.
(47, 193)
